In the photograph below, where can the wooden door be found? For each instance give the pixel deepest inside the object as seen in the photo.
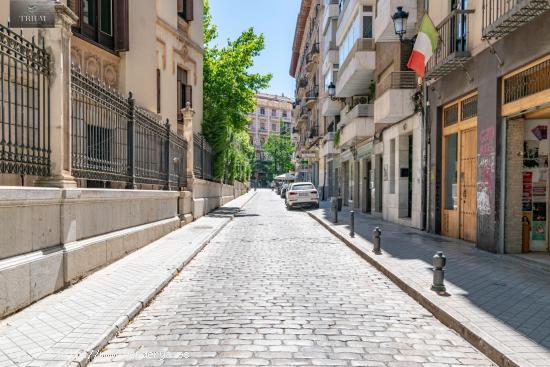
(468, 184)
(459, 179)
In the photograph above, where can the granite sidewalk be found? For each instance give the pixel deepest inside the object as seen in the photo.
(498, 303)
(64, 329)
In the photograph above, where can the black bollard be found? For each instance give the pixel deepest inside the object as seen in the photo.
(352, 223)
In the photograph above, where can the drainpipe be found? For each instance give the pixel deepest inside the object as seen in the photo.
(501, 227)
(426, 148)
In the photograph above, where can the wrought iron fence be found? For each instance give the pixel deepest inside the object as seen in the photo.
(24, 105)
(203, 158)
(113, 140)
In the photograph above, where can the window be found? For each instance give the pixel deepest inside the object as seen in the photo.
(274, 127)
(185, 92)
(451, 172)
(285, 114)
(185, 9)
(262, 111)
(274, 113)
(367, 26)
(262, 127)
(349, 40)
(103, 21)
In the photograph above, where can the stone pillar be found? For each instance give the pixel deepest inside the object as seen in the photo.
(188, 114)
(58, 45)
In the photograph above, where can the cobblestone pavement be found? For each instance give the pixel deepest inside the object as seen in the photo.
(275, 288)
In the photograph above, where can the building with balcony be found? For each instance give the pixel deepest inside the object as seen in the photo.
(305, 67)
(273, 116)
(489, 109)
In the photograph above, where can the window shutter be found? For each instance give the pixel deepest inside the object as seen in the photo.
(180, 6)
(122, 36)
(75, 5)
(188, 95)
(189, 10)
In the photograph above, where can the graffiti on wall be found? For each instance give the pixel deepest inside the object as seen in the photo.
(486, 170)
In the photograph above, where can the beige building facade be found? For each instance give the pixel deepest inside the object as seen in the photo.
(273, 116)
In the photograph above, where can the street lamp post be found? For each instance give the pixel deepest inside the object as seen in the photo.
(400, 18)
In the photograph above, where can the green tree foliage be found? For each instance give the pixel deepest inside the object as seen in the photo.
(279, 149)
(229, 91)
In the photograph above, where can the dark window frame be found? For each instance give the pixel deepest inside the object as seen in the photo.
(186, 10)
(118, 40)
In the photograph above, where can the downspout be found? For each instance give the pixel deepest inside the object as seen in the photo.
(501, 227)
(425, 185)
(427, 149)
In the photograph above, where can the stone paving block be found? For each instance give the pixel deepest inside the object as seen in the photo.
(293, 297)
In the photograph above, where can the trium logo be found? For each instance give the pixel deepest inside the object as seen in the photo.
(32, 14)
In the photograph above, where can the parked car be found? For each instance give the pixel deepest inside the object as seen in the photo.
(283, 190)
(302, 194)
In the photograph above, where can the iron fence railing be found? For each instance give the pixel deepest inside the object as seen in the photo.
(203, 158)
(453, 50)
(24, 105)
(397, 80)
(500, 17)
(113, 140)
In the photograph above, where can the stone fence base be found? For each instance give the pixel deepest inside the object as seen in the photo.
(52, 238)
(206, 196)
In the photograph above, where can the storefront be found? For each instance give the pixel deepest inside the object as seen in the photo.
(526, 112)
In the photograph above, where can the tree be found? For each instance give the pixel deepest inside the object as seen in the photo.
(229, 91)
(278, 150)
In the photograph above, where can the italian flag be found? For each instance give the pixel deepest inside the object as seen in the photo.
(424, 47)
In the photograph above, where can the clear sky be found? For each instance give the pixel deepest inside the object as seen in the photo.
(276, 19)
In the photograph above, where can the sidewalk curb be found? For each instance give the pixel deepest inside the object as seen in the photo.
(86, 356)
(483, 345)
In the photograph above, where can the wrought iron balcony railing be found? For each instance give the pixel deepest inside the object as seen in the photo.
(453, 50)
(501, 17)
(397, 80)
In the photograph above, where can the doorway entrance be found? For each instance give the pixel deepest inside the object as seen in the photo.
(367, 186)
(459, 213)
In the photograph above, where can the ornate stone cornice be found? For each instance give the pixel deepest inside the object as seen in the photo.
(180, 36)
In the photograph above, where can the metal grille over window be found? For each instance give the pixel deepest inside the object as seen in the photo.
(113, 140)
(451, 115)
(469, 107)
(527, 82)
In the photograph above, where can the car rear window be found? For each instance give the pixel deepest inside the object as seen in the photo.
(303, 187)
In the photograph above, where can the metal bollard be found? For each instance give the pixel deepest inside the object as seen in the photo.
(352, 223)
(377, 238)
(439, 260)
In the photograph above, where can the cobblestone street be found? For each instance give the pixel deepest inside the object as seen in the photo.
(276, 288)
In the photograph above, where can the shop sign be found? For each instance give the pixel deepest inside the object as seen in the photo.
(32, 14)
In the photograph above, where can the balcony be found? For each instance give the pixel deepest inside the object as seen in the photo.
(303, 116)
(330, 107)
(312, 58)
(330, 57)
(503, 17)
(453, 51)
(332, 10)
(383, 24)
(394, 97)
(301, 87)
(357, 70)
(311, 96)
(328, 149)
(356, 125)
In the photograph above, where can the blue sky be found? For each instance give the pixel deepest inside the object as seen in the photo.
(276, 19)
